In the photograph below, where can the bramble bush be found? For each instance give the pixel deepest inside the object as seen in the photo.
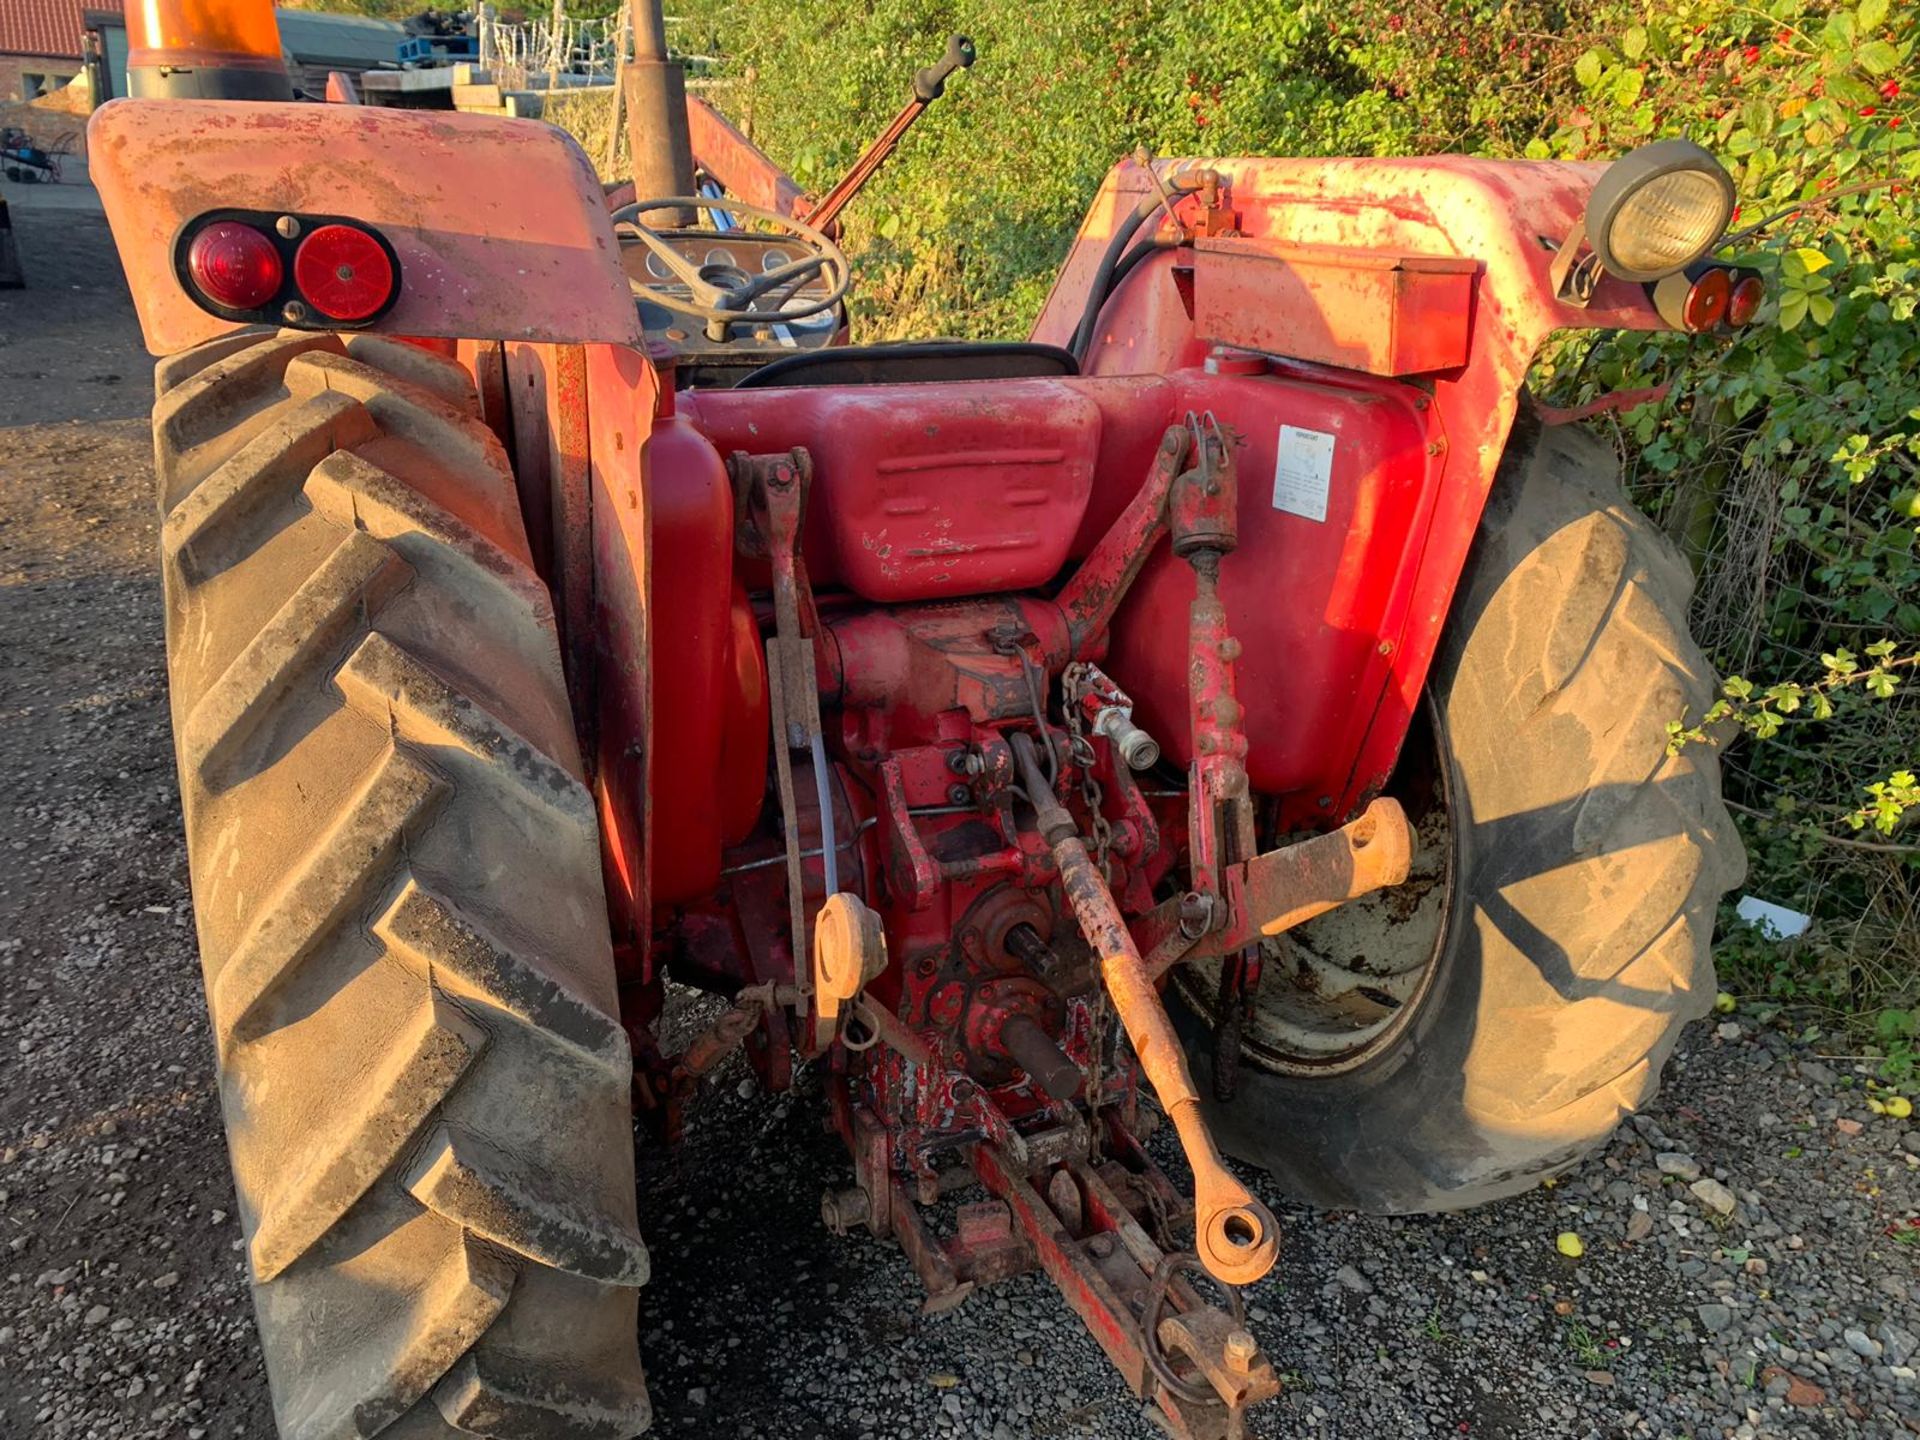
(1784, 462)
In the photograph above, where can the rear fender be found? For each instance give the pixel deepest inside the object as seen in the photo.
(1480, 237)
(498, 224)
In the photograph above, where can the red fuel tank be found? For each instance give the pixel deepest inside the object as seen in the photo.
(707, 774)
(926, 491)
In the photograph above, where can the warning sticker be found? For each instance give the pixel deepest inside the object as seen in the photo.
(1303, 472)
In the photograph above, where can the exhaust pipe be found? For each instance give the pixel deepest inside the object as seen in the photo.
(655, 90)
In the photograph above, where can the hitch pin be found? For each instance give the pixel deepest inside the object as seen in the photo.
(1236, 1236)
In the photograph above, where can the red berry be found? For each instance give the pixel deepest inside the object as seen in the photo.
(1866, 110)
(1891, 90)
(1750, 54)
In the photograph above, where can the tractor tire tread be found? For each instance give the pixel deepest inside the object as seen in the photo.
(397, 884)
(1589, 864)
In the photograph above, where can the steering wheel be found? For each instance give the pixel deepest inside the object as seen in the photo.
(722, 296)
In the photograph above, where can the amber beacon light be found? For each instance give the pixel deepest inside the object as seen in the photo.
(205, 50)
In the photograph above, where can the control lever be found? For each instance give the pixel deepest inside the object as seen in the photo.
(929, 84)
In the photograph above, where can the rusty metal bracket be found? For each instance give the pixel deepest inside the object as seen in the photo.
(1573, 276)
(1282, 888)
(1084, 1235)
(1094, 591)
(1285, 887)
(775, 487)
(1225, 1355)
(1217, 215)
(1204, 526)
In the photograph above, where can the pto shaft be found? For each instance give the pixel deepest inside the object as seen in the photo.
(1235, 1235)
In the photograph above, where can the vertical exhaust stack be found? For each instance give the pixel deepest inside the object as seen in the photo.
(205, 50)
(656, 97)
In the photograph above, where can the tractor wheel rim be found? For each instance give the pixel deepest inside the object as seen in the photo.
(1342, 988)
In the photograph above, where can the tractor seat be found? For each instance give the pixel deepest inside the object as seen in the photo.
(913, 363)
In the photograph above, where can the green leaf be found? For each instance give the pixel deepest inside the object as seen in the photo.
(1627, 86)
(1820, 307)
(1634, 42)
(1793, 309)
(1871, 14)
(1588, 67)
(1877, 57)
(1850, 91)
(1811, 260)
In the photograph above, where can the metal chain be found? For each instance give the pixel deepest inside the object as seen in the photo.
(1080, 750)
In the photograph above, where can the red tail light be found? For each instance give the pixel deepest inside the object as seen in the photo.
(311, 272)
(235, 265)
(1707, 299)
(343, 273)
(1744, 303)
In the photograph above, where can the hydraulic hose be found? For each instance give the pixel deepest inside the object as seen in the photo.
(1108, 275)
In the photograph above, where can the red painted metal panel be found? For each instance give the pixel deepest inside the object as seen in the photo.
(747, 171)
(621, 386)
(498, 223)
(1505, 216)
(1320, 605)
(697, 678)
(927, 491)
(1311, 601)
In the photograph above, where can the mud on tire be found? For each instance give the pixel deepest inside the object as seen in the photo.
(396, 878)
(1586, 869)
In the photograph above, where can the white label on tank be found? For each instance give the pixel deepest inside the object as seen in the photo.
(1303, 472)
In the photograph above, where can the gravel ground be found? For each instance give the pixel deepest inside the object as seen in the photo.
(1752, 1247)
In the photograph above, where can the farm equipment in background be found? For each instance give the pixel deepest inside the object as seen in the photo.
(1231, 696)
(26, 163)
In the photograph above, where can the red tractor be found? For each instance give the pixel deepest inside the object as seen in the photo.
(1236, 696)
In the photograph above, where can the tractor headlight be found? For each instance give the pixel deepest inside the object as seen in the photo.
(1658, 209)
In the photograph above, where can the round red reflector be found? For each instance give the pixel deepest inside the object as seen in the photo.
(343, 272)
(235, 265)
(1706, 300)
(1744, 303)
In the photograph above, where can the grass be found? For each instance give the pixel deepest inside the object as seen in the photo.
(1585, 1348)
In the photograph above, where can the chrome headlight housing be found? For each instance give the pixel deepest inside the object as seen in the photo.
(1658, 209)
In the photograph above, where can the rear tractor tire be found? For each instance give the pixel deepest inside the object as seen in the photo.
(1458, 1039)
(396, 877)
